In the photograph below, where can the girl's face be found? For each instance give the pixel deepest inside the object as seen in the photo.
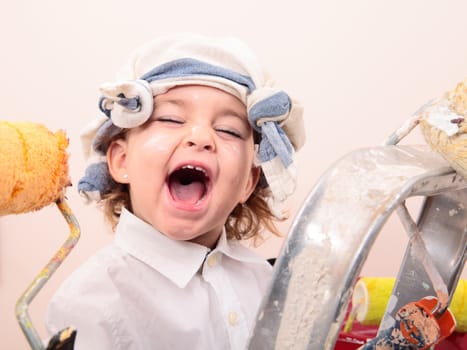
(190, 164)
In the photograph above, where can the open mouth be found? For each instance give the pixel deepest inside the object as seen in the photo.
(189, 184)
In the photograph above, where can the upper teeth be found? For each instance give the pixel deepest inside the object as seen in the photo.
(194, 167)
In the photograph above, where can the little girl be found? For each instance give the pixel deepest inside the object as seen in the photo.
(193, 153)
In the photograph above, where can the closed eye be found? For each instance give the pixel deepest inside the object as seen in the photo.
(233, 133)
(169, 120)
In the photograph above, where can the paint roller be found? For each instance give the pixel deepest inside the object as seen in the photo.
(34, 174)
(443, 122)
(372, 294)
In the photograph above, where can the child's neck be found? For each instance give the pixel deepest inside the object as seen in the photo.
(208, 240)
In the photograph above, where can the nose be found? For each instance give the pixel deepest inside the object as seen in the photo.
(200, 138)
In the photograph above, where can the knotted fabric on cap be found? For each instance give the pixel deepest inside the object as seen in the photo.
(188, 59)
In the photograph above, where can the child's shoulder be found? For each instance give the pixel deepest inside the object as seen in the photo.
(94, 272)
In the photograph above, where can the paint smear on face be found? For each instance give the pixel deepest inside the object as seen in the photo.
(162, 143)
(232, 149)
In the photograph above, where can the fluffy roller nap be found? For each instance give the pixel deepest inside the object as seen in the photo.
(33, 166)
(444, 126)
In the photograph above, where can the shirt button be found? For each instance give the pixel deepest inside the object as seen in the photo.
(233, 318)
(212, 260)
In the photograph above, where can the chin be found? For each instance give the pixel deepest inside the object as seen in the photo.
(182, 233)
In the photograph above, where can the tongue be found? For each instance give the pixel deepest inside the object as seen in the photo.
(190, 193)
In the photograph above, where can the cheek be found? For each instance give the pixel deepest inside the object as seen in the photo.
(148, 154)
(241, 151)
(232, 150)
(156, 143)
(239, 160)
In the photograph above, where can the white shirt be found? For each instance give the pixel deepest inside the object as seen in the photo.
(145, 291)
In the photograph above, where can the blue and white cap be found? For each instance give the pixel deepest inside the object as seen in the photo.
(189, 59)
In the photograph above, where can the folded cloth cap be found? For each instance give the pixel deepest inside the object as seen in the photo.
(189, 59)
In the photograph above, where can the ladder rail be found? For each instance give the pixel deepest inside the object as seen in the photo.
(330, 239)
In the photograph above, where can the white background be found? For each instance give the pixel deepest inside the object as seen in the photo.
(359, 67)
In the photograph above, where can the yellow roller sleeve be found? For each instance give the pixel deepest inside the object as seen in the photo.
(371, 295)
(33, 166)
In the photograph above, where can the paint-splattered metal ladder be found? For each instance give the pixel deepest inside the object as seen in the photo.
(335, 229)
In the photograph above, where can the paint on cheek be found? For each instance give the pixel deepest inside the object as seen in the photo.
(160, 143)
(240, 154)
(233, 149)
(239, 157)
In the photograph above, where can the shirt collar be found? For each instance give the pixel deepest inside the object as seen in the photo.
(237, 251)
(145, 243)
(148, 245)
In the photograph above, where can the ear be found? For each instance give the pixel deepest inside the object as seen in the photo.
(251, 184)
(116, 160)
